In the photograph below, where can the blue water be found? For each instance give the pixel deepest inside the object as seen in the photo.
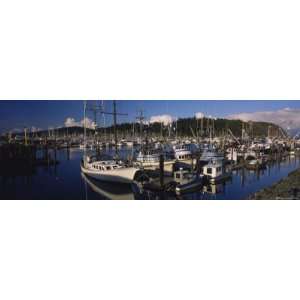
(246, 182)
(66, 182)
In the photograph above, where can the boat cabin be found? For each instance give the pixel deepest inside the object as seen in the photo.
(148, 156)
(209, 154)
(181, 152)
(213, 169)
(187, 181)
(104, 167)
(182, 175)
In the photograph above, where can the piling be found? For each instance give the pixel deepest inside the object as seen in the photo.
(161, 170)
(192, 162)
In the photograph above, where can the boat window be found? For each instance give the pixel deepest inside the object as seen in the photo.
(209, 170)
(177, 176)
(108, 168)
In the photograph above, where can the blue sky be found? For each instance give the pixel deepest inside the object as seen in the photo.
(44, 114)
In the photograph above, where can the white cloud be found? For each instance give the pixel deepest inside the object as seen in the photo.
(145, 122)
(35, 129)
(199, 115)
(70, 122)
(287, 118)
(165, 119)
(89, 123)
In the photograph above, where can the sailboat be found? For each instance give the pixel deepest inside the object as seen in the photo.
(106, 169)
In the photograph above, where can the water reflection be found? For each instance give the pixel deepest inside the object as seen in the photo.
(64, 181)
(107, 190)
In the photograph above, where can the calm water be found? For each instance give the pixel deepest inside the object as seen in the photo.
(245, 182)
(66, 182)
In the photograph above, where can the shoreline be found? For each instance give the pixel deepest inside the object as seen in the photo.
(287, 188)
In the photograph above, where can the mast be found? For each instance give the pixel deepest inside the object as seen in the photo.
(95, 121)
(100, 108)
(115, 125)
(84, 125)
(207, 126)
(176, 130)
(197, 130)
(141, 118)
(104, 125)
(25, 136)
(133, 132)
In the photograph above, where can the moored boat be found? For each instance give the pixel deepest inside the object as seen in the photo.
(187, 181)
(215, 171)
(108, 170)
(181, 152)
(151, 159)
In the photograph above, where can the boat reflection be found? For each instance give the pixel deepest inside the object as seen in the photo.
(214, 189)
(107, 190)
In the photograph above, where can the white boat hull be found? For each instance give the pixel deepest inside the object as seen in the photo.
(121, 175)
(188, 161)
(155, 165)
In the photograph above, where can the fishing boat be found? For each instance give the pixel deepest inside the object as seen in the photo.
(187, 181)
(215, 171)
(209, 153)
(83, 146)
(254, 164)
(181, 152)
(150, 158)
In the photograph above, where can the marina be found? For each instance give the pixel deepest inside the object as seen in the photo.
(189, 158)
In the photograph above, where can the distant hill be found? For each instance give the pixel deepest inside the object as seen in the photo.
(184, 125)
(255, 129)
